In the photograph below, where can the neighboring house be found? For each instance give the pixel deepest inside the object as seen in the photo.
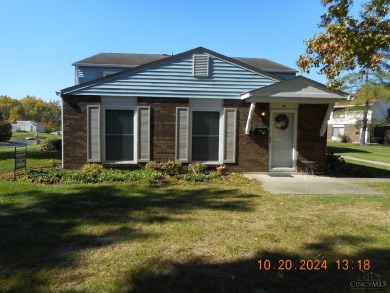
(253, 115)
(28, 126)
(346, 119)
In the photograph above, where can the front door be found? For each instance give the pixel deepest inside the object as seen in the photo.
(282, 140)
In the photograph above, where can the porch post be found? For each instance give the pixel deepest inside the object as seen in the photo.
(249, 121)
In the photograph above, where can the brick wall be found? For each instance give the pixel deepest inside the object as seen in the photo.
(163, 126)
(310, 145)
(350, 130)
(75, 129)
(251, 150)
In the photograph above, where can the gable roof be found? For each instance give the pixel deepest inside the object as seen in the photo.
(133, 60)
(298, 88)
(168, 59)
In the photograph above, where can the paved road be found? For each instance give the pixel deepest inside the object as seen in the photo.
(14, 143)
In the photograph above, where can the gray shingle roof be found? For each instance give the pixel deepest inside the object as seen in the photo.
(120, 59)
(265, 64)
(133, 60)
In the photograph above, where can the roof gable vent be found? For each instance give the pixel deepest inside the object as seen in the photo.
(200, 65)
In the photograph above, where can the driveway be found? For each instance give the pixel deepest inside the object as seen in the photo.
(302, 184)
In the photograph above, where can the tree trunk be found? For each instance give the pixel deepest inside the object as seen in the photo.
(364, 124)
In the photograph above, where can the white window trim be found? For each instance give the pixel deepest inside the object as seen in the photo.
(221, 134)
(135, 134)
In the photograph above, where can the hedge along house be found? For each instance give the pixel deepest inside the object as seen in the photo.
(253, 115)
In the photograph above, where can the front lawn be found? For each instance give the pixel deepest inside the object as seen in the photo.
(24, 135)
(35, 158)
(373, 152)
(193, 238)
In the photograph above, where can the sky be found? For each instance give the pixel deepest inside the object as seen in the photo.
(40, 39)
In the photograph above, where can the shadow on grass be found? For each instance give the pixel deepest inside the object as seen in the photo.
(244, 275)
(359, 170)
(40, 228)
(344, 150)
(41, 155)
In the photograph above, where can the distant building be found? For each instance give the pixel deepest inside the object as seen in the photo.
(347, 119)
(28, 126)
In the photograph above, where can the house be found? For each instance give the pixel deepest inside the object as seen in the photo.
(254, 115)
(346, 119)
(28, 126)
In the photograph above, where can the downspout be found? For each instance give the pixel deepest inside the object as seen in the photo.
(249, 121)
(62, 128)
(324, 125)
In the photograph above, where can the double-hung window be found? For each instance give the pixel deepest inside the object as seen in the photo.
(205, 136)
(119, 140)
(118, 131)
(205, 133)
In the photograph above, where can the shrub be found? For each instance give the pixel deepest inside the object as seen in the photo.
(344, 138)
(5, 131)
(172, 168)
(376, 139)
(197, 168)
(51, 144)
(90, 174)
(153, 165)
(92, 168)
(334, 162)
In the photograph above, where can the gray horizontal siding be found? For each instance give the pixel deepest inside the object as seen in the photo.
(86, 73)
(176, 79)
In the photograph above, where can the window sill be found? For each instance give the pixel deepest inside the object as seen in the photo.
(119, 162)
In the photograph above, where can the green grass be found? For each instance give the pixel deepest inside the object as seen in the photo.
(193, 238)
(23, 135)
(379, 153)
(35, 158)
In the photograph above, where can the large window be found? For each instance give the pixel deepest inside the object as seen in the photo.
(205, 136)
(337, 130)
(119, 126)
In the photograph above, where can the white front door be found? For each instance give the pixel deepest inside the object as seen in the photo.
(282, 140)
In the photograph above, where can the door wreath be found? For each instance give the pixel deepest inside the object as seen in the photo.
(281, 121)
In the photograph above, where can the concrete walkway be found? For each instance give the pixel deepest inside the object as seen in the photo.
(367, 161)
(284, 183)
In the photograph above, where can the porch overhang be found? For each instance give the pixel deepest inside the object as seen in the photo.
(297, 90)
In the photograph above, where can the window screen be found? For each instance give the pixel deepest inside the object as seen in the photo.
(205, 136)
(119, 135)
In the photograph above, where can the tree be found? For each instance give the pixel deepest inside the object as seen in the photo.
(16, 113)
(5, 131)
(348, 43)
(6, 104)
(368, 89)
